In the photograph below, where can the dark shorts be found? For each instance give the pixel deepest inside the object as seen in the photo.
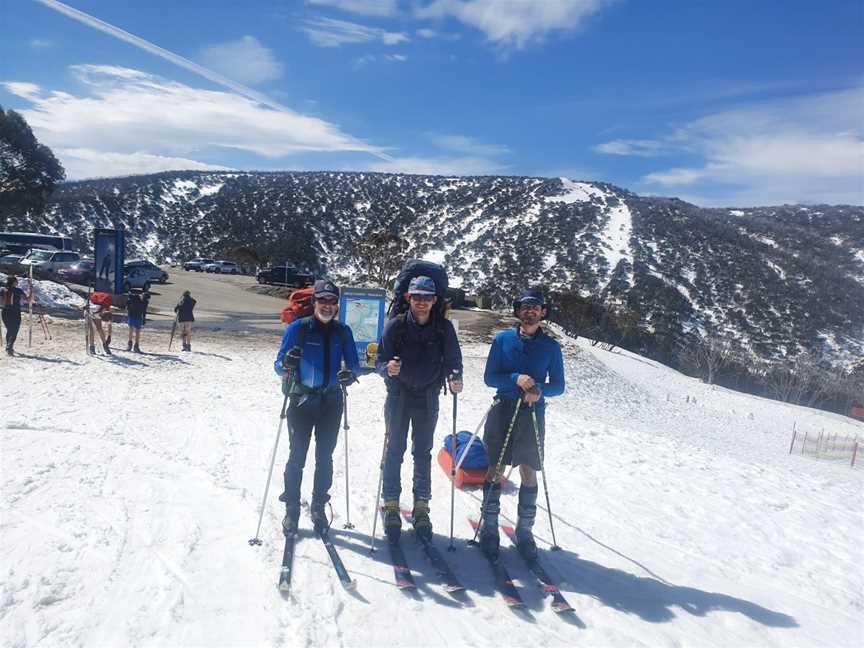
(136, 322)
(522, 444)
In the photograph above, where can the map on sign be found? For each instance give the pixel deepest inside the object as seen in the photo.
(362, 316)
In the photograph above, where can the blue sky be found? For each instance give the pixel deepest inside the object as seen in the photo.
(721, 103)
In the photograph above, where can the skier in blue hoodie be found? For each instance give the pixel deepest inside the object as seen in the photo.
(310, 363)
(525, 366)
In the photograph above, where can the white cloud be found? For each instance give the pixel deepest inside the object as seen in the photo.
(329, 32)
(804, 149)
(439, 166)
(365, 7)
(125, 111)
(371, 58)
(41, 43)
(467, 145)
(245, 60)
(641, 148)
(90, 163)
(427, 33)
(515, 23)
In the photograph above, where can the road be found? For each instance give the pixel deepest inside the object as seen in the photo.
(226, 303)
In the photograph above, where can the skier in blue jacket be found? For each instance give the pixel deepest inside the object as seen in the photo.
(419, 350)
(310, 363)
(525, 366)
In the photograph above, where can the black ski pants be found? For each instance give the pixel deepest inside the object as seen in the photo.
(12, 322)
(319, 415)
(420, 412)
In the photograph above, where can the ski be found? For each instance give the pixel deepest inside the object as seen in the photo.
(401, 571)
(547, 584)
(442, 568)
(287, 563)
(503, 583)
(347, 582)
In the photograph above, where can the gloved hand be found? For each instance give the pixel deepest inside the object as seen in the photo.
(532, 395)
(454, 380)
(346, 377)
(291, 360)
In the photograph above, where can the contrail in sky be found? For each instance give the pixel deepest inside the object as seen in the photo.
(176, 59)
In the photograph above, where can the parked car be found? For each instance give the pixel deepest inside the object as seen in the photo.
(11, 262)
(83, 272)
(197, 265)
(136, 277)
(285, 276)
(222, 267)
(156, 273)
(48, 261)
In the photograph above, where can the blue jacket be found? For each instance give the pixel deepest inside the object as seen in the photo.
(537, 357)
(427, 356)
(312, 369)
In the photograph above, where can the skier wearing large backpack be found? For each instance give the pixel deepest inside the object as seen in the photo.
(418, 352)
(310, 361)
(520, 361)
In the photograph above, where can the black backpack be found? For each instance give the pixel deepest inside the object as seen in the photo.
(399, 307)
(418, 268)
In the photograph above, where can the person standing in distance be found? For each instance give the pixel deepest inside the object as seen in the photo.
(10, 300)
(309, 361)
(520, 361)
(185, 318)
(419, 350)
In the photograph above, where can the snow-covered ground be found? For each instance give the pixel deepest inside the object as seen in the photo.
(131, 484)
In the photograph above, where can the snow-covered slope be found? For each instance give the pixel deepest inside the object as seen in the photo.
(131, 485)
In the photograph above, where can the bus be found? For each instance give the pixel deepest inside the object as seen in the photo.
(21, 242)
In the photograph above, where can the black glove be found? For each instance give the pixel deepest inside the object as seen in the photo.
(291, 360)
(346, 377)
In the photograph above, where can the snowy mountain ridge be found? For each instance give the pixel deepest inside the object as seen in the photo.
(778, 279)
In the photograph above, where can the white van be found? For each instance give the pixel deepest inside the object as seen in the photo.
(48, 261)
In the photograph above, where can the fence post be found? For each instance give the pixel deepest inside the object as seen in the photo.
(819, 442)
(804, 444)
(794, 434)
(854, 453)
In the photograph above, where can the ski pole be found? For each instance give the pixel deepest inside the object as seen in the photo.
(555, 546)
(173, 330)
(380, 475)
(345, 428)
(454, 376)
(30, 323)
(474, 436)
(496, 474)
(295, 353)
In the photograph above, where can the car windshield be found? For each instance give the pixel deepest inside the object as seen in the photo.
(40, 255)
(86, 265)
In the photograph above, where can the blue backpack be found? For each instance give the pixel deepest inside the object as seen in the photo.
(476, 455)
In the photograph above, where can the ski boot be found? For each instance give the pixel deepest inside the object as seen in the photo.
(92, 349)
(490, 539)
(392, 521)
(129, 345)
(137, 349)
(291, 521)
(527, 511)
(9, 351)
(420, 520)
(319, 517)
(106, 349)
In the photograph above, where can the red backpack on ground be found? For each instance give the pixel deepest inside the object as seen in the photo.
(102, 299)
(299, 305)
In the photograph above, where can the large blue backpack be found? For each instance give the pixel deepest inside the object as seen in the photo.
(476, 454)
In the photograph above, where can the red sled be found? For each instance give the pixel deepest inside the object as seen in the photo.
(464, 476)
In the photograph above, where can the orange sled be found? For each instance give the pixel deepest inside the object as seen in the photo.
(464, 476)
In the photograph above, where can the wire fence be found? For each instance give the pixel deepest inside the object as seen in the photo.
(826, 446)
